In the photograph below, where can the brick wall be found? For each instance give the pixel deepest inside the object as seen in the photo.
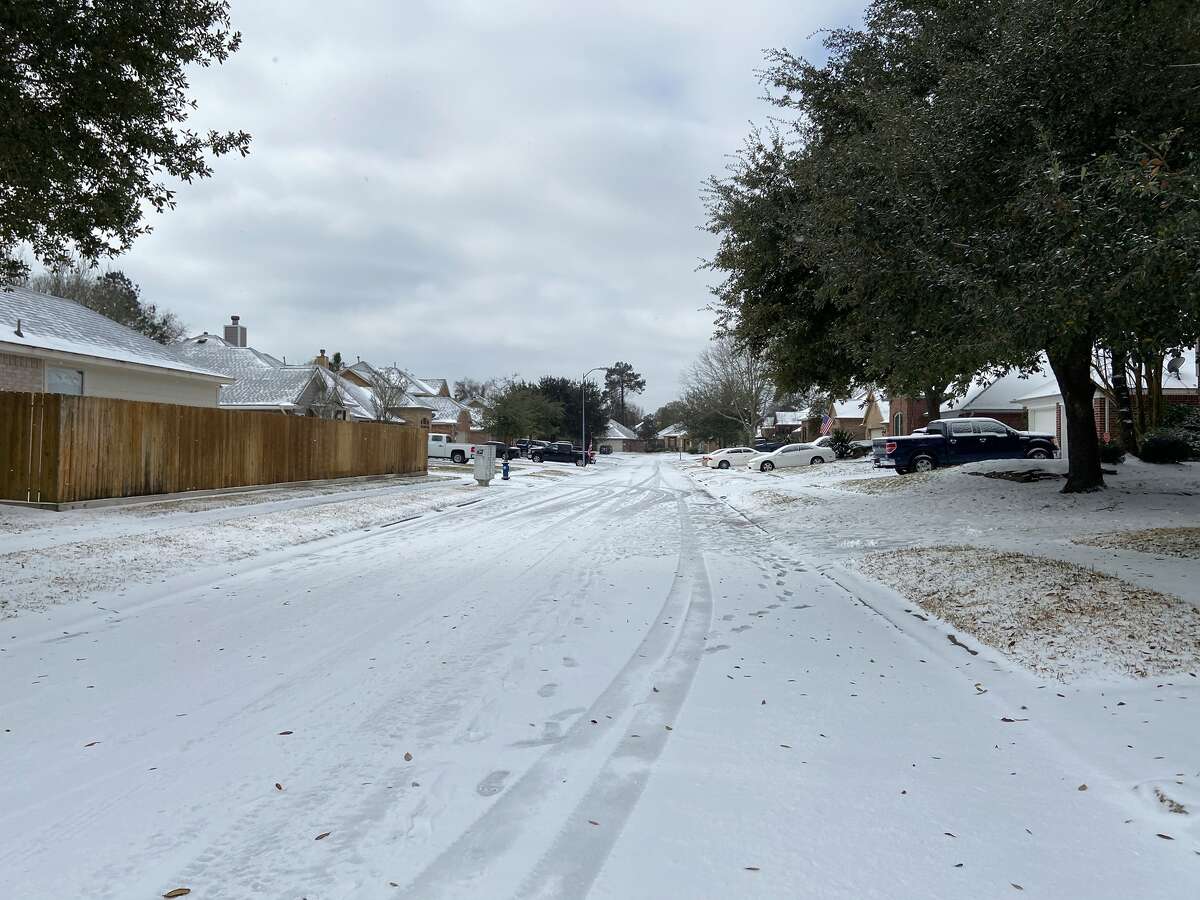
(21, 373)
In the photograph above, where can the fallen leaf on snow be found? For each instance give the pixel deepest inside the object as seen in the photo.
(322, 835)
(593, 822)
(177, 892)
(408, 757)
(1082, 787)
(1017, 886)
(92, 744)
(282, 733)
(753, 869)
(1165, 837)
(278, 786)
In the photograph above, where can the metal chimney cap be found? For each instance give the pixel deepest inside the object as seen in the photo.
(235, 319)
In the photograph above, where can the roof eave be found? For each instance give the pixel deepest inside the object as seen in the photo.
(67, 356)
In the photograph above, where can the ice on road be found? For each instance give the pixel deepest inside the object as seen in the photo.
(611, 685)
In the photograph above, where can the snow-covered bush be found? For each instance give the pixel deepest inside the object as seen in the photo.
(1165, 445)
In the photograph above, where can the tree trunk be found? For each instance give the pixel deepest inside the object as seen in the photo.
(1120, 384)
(1072, 365)
(1141, 397)
(933, 404)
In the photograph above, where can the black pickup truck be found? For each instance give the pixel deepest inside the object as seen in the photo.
(559, 451)
(948, 442)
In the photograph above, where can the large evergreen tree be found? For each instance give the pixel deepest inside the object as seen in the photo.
(969, 184)
(94, 101)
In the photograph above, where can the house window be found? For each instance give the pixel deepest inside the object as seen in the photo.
(64, 381)
(898, 423)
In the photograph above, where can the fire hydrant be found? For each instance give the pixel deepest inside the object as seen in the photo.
(504, 469)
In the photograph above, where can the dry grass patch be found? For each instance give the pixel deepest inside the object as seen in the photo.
(1181, 542)
(778, 498)
(1054, 617)
(885, 485)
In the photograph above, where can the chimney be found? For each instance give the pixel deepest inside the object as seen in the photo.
(322, 360)
(235, 334)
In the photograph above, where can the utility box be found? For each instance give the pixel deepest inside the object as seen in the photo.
(485, 463)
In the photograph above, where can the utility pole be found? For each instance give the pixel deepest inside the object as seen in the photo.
(583, 408)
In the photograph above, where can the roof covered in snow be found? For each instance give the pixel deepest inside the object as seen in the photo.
(439, 385)
(790, 417)
(218, 355)
(64, 326)
(994, 394)
(277, 387)
(1043, 384)
(615, 431)
(676, 430)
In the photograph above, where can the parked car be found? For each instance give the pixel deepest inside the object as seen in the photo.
(768, 446)
(792, 455)
(503, 450)
(526, 445)
(727, 456)
(559, 451)
(605, 449)
(948, 442)
(441, 447)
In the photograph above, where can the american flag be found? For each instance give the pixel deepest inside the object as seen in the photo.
(826, 424)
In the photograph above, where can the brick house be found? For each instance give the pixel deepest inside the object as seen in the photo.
(993, 398)
(863, 416)
(52, 345)
(1044, 403)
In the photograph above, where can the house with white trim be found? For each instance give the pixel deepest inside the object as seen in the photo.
(618, 438)
(52, 345)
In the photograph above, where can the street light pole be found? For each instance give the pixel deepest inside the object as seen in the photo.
(583, 408)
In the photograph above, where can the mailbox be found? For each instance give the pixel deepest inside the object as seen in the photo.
(485, 463)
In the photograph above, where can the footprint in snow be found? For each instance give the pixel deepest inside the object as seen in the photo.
(547, 690)
(569, 662)
(716, 648)
(742, 628)
(493, 784)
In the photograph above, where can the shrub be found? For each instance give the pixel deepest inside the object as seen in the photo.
(1165, 445)
(1184, 421)
(1112, 452)
(839, 443)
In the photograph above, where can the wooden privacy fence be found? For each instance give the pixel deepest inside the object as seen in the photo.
(60, 449)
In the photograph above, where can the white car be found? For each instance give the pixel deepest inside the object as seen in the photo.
(792, 455)
(728, 456)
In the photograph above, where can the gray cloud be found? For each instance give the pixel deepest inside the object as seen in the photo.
(470, 188)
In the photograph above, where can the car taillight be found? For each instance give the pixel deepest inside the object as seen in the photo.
(889, 448)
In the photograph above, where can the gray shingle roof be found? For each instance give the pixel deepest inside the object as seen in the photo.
(52, 323)
(212, 352)
(615, 431)
(437, 384)
(278, 387)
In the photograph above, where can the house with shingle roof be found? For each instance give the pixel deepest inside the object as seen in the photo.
(618, 438)
(261, 381)
(53, 345)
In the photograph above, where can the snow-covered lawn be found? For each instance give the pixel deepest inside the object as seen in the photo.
(1056, 618)
(1182, 542)
(98, 555)
(1140, 532)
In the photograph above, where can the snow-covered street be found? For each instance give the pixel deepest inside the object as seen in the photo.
(604, 683)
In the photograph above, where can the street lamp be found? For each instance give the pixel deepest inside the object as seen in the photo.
(583, 409)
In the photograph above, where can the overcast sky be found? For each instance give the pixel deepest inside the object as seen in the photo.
(471, 187)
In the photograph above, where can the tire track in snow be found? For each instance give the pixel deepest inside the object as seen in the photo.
(598, 751)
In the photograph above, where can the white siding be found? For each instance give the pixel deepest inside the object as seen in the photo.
(131, 384)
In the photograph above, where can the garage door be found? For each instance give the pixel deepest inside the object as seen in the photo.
(1045, 421)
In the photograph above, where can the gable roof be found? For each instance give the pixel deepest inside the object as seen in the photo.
(676, 430)
(790, 417)
(57, 325)
(279, 387)
(438, 385)
(995, 394)
(215, 353)
(615, 431)
(1044, 384)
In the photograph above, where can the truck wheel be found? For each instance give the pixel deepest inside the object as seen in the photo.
(1038, 453)
(767, 466)
(459, 457)
(922, 464)
(816, 461)
(723, 464)
(537, 457)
